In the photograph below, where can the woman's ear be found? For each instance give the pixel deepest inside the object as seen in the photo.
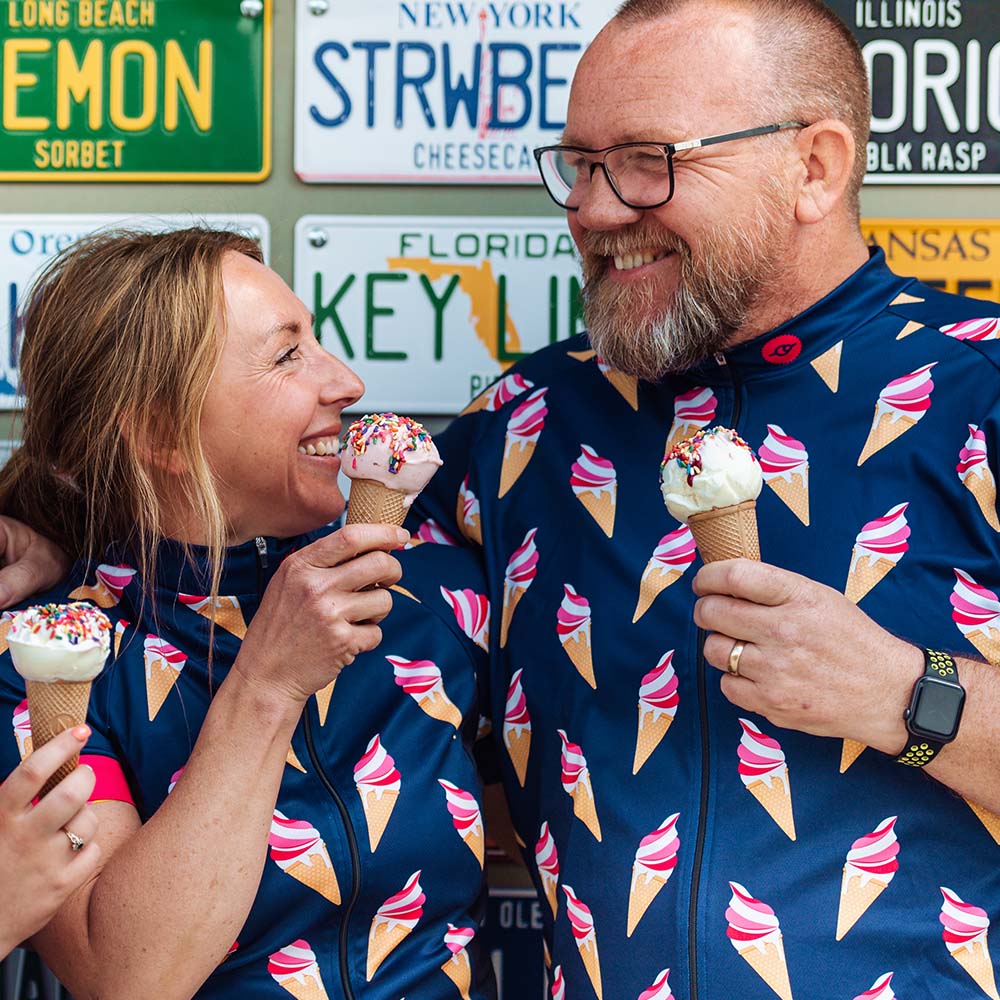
(161, 459)
(827, 151)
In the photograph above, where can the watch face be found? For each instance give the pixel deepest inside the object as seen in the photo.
(937, 709)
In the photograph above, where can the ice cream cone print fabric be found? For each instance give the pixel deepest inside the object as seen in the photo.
(627, 385)
(670, 560)
(458, 968)
(297, 848)
(900, 406)
(164, 664)
(658, 701)
(523, 431)
(22, 728)
(378, 783)
(472, 612)
(585, 936)
(595, 484)
(877, 551)
(755, 933)
(294, 969)
(966, 936)
(660, 988)
(224, 611)
(976, 476)
(764, 774)
(547, 863)
(466, 818)
(573, 625)
(693, 410)
(784, 463)
(469, 513)
(394, 921)
(499, 394)
(109, 582)
(522, 568)
(654, 863)
(871, 865)
(986, 328)
(517, 727)
(881, 989)
(421, 680)
(576, 784)
(976, 613)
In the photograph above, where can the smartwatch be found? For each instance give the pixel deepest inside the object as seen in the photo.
(935, 710)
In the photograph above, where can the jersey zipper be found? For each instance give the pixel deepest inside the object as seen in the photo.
(699, 847)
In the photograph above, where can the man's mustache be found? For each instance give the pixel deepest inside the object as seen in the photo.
(634, 240)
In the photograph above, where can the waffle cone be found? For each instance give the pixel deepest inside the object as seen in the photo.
(884, 431)
(652, 729)
(516, 459)
(988, 643)
(312, 989)
(459, 970)
(977, 963)
(777, 800)
(97, 594)
(592, 963)
(383, 939)
(644, 890)
(990, 820)
(770, 965)
(654, 581)
(827, 366)
(319, 875)
(5, 626)
(579, 651)
(850, 752)
(229, 618)
(727, 533)
(627, 386)
(511, 599)
(585, 807)
(378, 810)
(855, 898)
(518, 744)
(53, 708)
(292, 758)
(551, 886)
(601, 507)
(372, 503)
(160, 680)
(679, 430)
(794, 494)
(441, 707)
(323, 696)
(475, 843)
(984, 489)
(867, 573)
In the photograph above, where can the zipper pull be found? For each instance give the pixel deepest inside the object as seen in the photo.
(261, 551)
(720, 360)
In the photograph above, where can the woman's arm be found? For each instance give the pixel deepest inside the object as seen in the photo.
(175, 892)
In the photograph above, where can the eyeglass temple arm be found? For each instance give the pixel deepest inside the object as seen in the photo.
(677, 147)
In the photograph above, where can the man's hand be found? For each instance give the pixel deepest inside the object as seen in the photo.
(812, 661)
(31, 563)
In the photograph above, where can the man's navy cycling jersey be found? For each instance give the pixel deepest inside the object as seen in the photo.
(667, 828)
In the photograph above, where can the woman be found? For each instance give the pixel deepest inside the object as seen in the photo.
(263, 834)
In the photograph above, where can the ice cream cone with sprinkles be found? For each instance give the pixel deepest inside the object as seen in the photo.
(458, 968)
(900, 406)
(576, 784)
(297, 848)
(393, 922)
(547, 863)
(976, 612)
(523, 430)
(294, 969)
(658, 702)
(974, 471)
(966, 935)
(755, 933)
(522, 569)
(670, 560)
(517, 728)
(764, 773)
(378, 783)
(654, 863)
(585, 936)
(870, 866)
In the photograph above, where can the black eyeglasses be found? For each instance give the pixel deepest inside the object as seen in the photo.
(641, 174)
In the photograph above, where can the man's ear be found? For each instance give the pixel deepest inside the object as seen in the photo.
(827, 151)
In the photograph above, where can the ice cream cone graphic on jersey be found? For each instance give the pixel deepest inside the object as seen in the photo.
(827, 366)
(576, 784)
(660, 988)
(22, 728)
(755, 933)
(472, 612)
(763, 771)
(298, 850)
(458, 968)
(295, 970)
(668, 563)
(901, 404)
(654, 863)
(429, 532)
(989, 819)
(120, 627)
(573, 628)
(517, 727)
(976, 612)
(323, 698)
(292, 759)
(693, 410)
(870, 866)
(658, 701)
(986, 328)
(421, 680)
(784, 463)
(6, 620)
(521, 571)
(627, 385)
(547, 863)
(393, 922)
(881, 989)
(974, 470)
(468, 516)
(877, 550)
(966, 935)
(849, 753)
(466, 818)
(106, 591)
(585, 936)
(594, 483)
(224, 611)
(499, 394)
(164, 664)
(523, 430)
(378, 783)
(558, 990)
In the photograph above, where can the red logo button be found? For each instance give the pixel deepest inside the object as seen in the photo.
(782, 350)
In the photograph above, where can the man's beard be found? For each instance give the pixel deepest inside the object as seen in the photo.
(715, 293)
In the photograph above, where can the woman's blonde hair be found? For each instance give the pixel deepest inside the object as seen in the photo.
(122, 332)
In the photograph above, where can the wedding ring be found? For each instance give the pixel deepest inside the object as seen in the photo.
(734, 657)
(77, 843)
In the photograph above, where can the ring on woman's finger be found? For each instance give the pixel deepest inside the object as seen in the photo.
(77, 843)
(734, 657)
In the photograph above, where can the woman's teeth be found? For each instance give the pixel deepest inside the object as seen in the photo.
(628, 261)
(323, 446)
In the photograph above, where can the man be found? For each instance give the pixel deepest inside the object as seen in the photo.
(741, 834)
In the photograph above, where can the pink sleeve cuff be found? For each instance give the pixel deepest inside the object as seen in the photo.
(111, 785)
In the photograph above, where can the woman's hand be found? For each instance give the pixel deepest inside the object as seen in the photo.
(39, 868)
(31, 563)
(322, 609)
